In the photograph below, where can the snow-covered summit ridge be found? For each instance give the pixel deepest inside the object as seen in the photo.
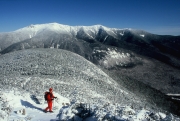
(56, 26)
(64, 28)
(73, 31)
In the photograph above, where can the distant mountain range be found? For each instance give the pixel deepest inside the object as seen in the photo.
(84, 40)
(142, 62)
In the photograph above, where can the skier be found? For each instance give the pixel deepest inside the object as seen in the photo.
(49, 97)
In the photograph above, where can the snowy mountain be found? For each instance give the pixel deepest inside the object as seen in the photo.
(54, 35)
(108, 48)
(78, 84)
(143, 64)
(59, 68)
(35, 30)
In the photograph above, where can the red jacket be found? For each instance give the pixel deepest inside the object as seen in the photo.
(50, 96)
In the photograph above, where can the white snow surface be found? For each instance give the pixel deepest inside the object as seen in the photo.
(64, 110)
(142, 35)
(33, 111)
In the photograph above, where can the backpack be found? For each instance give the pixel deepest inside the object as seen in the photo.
(46, 95)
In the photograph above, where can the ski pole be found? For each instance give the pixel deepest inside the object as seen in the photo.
(54, 102)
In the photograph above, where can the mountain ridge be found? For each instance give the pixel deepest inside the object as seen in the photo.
(131, 57)
(135, 40)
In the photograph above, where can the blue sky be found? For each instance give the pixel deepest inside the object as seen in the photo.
(155, 16)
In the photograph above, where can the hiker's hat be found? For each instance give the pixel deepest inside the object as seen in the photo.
(50, 89)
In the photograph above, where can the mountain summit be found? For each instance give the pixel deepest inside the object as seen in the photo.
(73, 31)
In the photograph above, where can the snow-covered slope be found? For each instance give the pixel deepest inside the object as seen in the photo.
(22, 106)
(71, 75)
(123, 52)
(25, 76)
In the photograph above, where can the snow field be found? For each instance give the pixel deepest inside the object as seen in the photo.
(33, 111)
(24, 108)
(32, 72)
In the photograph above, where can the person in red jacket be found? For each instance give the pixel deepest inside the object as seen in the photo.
(50, 98)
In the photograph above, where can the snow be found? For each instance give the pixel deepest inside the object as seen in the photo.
(170, 94)
(33, 111)
(114, 57)
(175, 98)
(33, 30)
(86, 93)
(162, 115)
(142, 115)
(26, 109)
(37, 31)
(122, 34)
(42, 27)
(142, 35)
